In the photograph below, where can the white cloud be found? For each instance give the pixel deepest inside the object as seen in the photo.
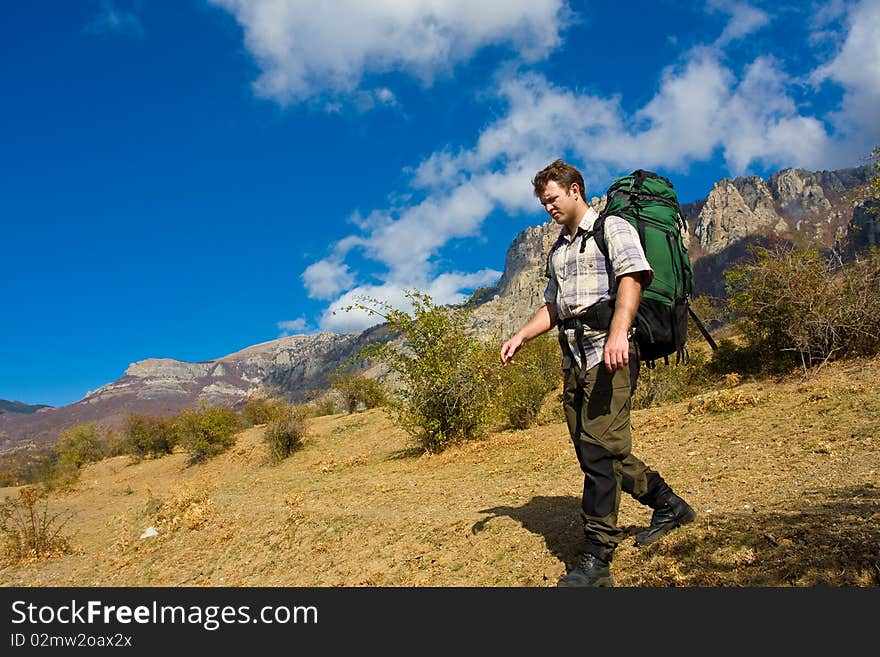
(856, 68)
(327, 278)
(763, 123)
(294, 326)
(702, 106)
(307, 49)
(680, 124)
(744, 20)
(112, 20)
(343, 317)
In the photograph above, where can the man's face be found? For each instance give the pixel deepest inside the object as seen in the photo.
(560, 203)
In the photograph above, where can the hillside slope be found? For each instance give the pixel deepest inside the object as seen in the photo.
(783, 475)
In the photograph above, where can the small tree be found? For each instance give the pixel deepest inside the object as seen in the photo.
(358, 390)
(286, 430)
(206, 431)
(796, 305)
(81, 444)
(261, 411)
(444, 374)
(149, 435)
(525, 382)
(29, 529)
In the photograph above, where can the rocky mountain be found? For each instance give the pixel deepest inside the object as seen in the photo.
(20, 407)
(794, 205)
(290, 367)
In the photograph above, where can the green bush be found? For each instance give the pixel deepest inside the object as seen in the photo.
(667, 384)
(797, 307)
(324, 406)
(149, 435)
(286, 430)
(261, 411)
(525, 382)
(746, 358)
(358, 391)
(206, 431)
(445, 375)
(115, 443)
(81, 444)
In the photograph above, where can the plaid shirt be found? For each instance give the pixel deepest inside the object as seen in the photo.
(578, 280)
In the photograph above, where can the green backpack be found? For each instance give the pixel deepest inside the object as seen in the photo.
(649, 203)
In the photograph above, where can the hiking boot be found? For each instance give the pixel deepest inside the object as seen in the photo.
(590, 570)
(674, 513)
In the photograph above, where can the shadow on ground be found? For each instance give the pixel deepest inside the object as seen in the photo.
(556, 519)
(829, 537)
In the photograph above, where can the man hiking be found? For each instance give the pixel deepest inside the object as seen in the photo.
(600, 368)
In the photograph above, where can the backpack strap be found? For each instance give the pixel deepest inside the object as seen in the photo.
(702, 329)
(598, 234)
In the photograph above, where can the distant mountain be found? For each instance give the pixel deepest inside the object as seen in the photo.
(292, 367)
(20, 407)
(792, 205)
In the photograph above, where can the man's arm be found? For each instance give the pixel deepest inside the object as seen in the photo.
(629, 294)
(541, 322)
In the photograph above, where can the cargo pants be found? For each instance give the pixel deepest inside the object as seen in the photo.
(597, 409)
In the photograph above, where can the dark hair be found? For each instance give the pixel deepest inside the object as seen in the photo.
(562, 173)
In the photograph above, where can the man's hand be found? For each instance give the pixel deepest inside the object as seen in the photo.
(541, 322)
(616, 352)
(509, 348)
(629, 293)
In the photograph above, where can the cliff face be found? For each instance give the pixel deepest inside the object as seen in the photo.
(793, 204)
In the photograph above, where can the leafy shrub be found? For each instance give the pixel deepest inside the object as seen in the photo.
(261, 411)
(797, 307)
(115, 443)
(358, 390)
(525, 382)
(24, 466)
(667, 384)
(81, 444)
(326, 405)
(285, 432)
(746, 358)
(206, 431)
(445, 375)
(29, 530)
(149, 435)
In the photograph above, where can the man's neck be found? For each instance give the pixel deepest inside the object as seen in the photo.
(573, 225)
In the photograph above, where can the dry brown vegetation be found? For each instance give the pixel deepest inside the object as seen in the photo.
(783, 475)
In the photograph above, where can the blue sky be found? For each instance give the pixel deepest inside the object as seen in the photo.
(185, 179)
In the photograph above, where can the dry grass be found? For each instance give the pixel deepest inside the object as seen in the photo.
(782, 474)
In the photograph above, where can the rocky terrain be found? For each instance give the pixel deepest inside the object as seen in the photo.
(793, 205)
